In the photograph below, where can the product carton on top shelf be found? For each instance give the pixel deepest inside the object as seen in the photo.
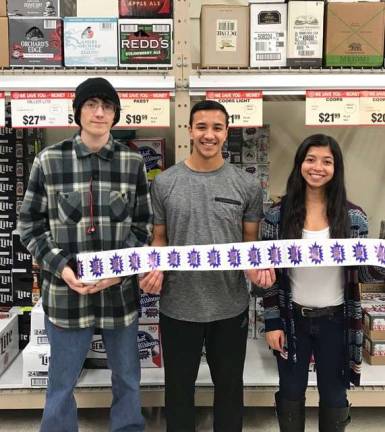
(268, 24)
(35, 42)
(4, 36)
(305, 33)
(225, 36)
(97, 8)
(34, 8)
(145, 8)
(354, 34)
(146, 42)
(90, 42)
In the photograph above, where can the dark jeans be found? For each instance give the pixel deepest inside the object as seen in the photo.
(324, 337)
(225, 342)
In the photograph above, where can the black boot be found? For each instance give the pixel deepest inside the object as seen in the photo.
(291, 414)
(333, 419)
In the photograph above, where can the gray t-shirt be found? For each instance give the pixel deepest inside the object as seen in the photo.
(204, 208)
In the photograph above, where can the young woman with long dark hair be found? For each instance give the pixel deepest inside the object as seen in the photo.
(316, 310)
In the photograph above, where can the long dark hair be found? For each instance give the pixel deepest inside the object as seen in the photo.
(294, 213)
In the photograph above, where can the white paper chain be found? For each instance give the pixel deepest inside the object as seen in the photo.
(232, 256)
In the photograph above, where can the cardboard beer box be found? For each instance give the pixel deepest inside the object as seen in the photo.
(90, 42)
(145, 8)
(35, 42)
(9, 341)
(305, 33)
(225, 36)
(374, 351)
(153, 152)
(34, 8)
(268, 28)
(35, 365)
(149, 309)
(374, 321)
(38, 335)
(4, 44)
(97, 8)
(146, 42)
(149, 346)
(354, 34)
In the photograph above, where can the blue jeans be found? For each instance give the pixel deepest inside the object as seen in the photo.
(324, 337)
(69, 349)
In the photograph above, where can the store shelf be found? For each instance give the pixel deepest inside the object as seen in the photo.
(67, 80)
(260, 379)
(285, 81)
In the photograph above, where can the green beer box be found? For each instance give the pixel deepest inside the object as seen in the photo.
(355, 34)
(145, 42)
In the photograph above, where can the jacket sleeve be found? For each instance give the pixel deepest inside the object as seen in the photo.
(142, 219)
(270, 231)
(33, 224)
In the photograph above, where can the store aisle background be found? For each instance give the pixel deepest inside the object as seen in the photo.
(256, 420)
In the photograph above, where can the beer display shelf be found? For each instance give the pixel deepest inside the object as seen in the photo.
(68, 80)
(260, 378)
(281, 82)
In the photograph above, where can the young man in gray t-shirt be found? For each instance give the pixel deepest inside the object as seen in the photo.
(204, 200)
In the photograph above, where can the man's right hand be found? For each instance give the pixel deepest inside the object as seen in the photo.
(151, 283)
(74, 283)
(276, 340)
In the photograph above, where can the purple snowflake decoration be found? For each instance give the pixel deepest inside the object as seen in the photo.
(380, 253)
(154, 259)
(234, 257)
(96, 265)
(134, 261)
(254, 256)
(338, 253)
(80, 268)
(194, 258)
(275, 255)
(295, 254)
(116, 264)
(316, 254)
(214, 258)
(360, 253)
(174, 259)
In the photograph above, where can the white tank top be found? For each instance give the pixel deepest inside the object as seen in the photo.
(317, 287)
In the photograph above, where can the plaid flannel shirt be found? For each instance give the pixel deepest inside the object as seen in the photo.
(56, 214)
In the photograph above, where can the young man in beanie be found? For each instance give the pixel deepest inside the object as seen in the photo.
(204, 200)
(88, 193)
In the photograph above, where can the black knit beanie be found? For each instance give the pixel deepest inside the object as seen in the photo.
(95, 87)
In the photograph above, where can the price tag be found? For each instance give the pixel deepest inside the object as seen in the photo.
(39, 109)
(2, 109)
(372, 107)
(332, 108)
(71, 115)
(144, 109)
(244, 107)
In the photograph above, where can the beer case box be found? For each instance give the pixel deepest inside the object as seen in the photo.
(146, 42)
(22, 282)
(4, 44)
(34, 8)
(225, 36)
(374, 351)
(354, 34)
(374, 321)
(97, 8)
(90, 42)
(22, 259)
(24, 318)
(149, 309)
(3, 8)
(152, 151)
(149, 345)
(305, 33)
(35, 42)
(268, 29)
(145, 8)
(9, 341)
(35, 365)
